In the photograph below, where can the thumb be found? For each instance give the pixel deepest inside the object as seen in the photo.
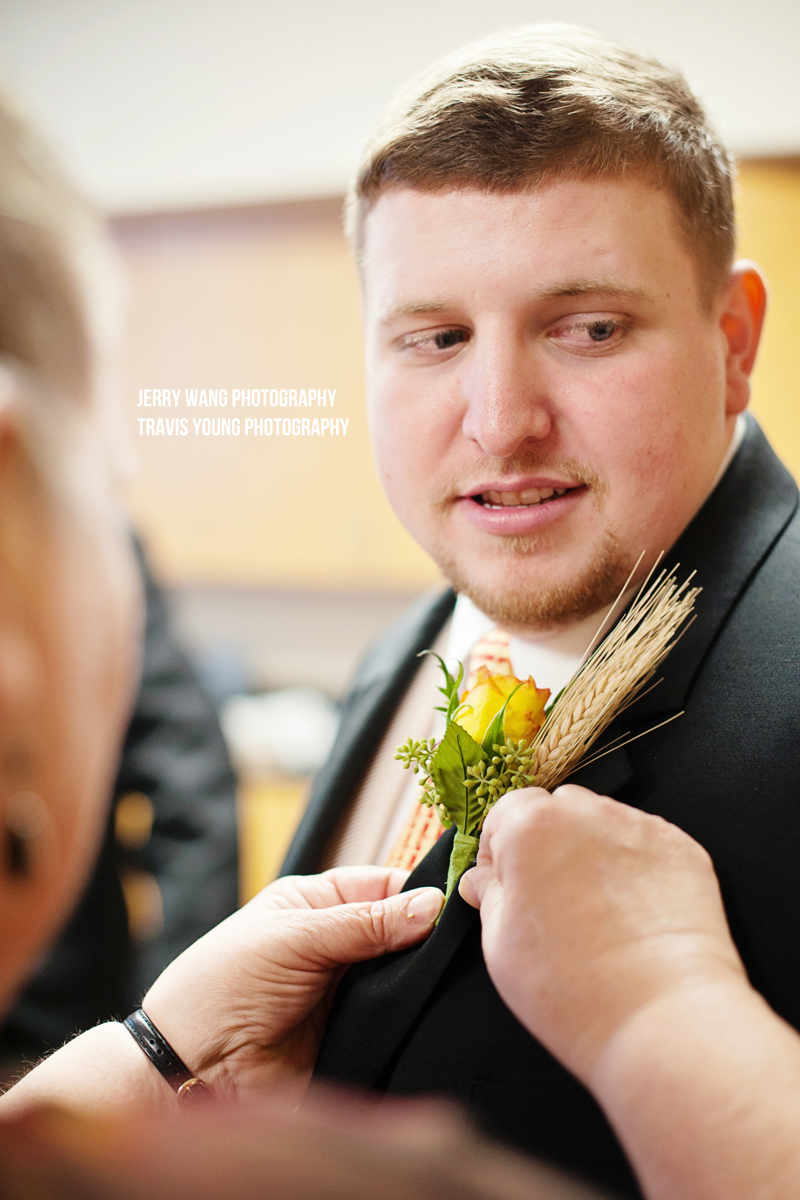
(368, 928)
(468, 888)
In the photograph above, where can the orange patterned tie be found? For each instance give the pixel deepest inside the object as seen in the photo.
(490, 651)
(423, 829)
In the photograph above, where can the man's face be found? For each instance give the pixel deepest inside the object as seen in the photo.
(548, 393)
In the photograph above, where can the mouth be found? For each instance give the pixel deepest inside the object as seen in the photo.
(529, 498)
(520, 506)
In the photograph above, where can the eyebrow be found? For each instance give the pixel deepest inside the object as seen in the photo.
(416, 309)
(587, 287)
(578, 287)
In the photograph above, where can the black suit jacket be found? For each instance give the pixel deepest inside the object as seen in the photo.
(728, 772)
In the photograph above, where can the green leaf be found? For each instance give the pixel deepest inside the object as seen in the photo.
(494, 734)
(465, 849)
(451, 684)
(458, 751)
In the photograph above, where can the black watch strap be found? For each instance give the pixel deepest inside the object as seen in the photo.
(162, 1056)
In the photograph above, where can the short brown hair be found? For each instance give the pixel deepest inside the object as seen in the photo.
(551, 101)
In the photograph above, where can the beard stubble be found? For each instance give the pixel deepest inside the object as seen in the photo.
(539, 603)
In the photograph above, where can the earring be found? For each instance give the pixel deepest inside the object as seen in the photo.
(26, 818)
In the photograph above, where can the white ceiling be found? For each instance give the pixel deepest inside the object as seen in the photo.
(160, 104)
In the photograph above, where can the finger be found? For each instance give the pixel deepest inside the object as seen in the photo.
(367, 883)
(353, 932)
(508, 809)
(476, 882)
(584, 801)
(469, 888)
(473, 883)
(341, 885)
(481, 888)
(499, 815)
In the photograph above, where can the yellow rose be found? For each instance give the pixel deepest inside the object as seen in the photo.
(524, 715)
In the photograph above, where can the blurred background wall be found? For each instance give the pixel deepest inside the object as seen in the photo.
(219, 138)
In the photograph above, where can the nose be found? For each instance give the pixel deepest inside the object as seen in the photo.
(505, 396)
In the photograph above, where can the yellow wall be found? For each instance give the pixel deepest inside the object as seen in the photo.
(769, 225)
(261, 298)
(266, 297)
(268, 816)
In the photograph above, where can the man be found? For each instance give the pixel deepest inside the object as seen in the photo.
(558, 352)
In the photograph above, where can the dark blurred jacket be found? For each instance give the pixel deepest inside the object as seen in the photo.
(175, 756)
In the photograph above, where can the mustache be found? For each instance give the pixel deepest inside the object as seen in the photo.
(526, 462)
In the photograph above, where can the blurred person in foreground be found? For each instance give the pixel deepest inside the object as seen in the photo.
(59, 319)
(558, 349)
(167, 867)
(246, 1004)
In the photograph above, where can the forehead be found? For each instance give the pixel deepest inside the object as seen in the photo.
(555, 238)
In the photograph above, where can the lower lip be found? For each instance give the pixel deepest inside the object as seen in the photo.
(519, 519)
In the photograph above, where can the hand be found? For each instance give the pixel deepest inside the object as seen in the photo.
(591, 910)
(245, 1006)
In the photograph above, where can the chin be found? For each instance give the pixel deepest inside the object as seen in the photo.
(514, 590)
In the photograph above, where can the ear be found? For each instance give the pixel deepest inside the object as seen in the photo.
(742, 317)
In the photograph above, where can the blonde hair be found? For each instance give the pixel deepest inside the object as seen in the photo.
(554, 101)
(59, 286)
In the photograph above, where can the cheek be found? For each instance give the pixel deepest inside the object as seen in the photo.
(112, 670)
(401, 439)
(415, 424)
(94, 674)
(651, 414)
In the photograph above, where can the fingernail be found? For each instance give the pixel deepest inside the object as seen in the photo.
(425, 906)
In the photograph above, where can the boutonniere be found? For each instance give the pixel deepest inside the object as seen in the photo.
(502, 735)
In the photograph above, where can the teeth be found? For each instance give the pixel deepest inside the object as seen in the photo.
(526, 499)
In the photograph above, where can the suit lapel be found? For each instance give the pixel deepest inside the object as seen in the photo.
(369, 1021)
(378, 1002)
(725, 544)
(377, 690)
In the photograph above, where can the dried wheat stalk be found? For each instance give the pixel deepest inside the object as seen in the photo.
(613, 676)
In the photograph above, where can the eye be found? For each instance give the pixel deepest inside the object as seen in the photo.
(601, 331)
(449, 337)
(582, 334)
(432, 345)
